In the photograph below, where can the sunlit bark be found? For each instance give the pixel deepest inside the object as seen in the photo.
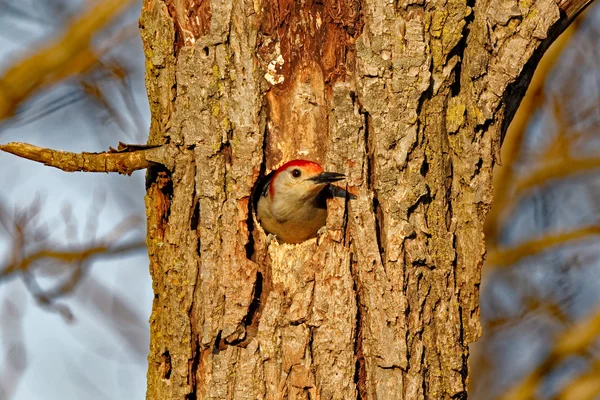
(410, 101)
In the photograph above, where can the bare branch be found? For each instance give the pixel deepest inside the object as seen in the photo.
(507, 257)
(121, 161)
(68, 256)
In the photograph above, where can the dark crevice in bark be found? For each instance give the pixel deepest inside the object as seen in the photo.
(454, 268)
(167, 136)
(262, 285)
(516, 90)
(160, 175)
(159, 185)
(255, 194)
(249, 246)
(370, 178)
(513, 95)
(195, 219)
(424, 373)
(450, 212)
(459, 50)
(166, 367)
(217, 346)
(480, 129)
(424, 167)
(464, 372)
(370, 170)
(407, 335)
(262, 179)
(360, 372)
(368, 149)
(378, 213)
(425, 200)
(460, 395)
(192, 371)
(198, 246)
(226, 151)
(465, 356)
(346, 215)
(311, 339)
(252, 317)
(477, 167)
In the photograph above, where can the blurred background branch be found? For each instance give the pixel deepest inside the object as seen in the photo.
(70, 55)
(540, 303)
(572, 341)
(509, 256)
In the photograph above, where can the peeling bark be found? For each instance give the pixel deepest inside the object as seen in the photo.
(410, 100)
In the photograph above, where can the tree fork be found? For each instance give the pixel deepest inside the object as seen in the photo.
(410, 101)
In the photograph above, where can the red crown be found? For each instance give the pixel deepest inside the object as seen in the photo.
(304, 164)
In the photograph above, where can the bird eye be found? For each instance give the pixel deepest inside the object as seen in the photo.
(296, 173)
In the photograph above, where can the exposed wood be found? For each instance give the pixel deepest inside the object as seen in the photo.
(192, 19)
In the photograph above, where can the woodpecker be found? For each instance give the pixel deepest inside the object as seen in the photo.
(292, 203)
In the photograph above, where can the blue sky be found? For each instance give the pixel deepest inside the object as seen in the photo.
(102, 353)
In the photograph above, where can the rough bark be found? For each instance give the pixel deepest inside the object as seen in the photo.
(410, 100)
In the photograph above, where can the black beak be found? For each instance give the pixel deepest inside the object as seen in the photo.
(328, 177)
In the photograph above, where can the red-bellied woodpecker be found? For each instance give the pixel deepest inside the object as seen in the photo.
(292, 204)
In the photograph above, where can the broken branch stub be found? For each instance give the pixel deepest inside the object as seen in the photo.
(125, 160)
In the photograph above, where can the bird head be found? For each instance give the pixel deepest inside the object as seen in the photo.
(299, 180)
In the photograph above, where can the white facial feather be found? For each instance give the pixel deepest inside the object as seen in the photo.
(293, 213)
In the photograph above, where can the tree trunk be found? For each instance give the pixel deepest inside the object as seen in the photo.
(410, 101)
